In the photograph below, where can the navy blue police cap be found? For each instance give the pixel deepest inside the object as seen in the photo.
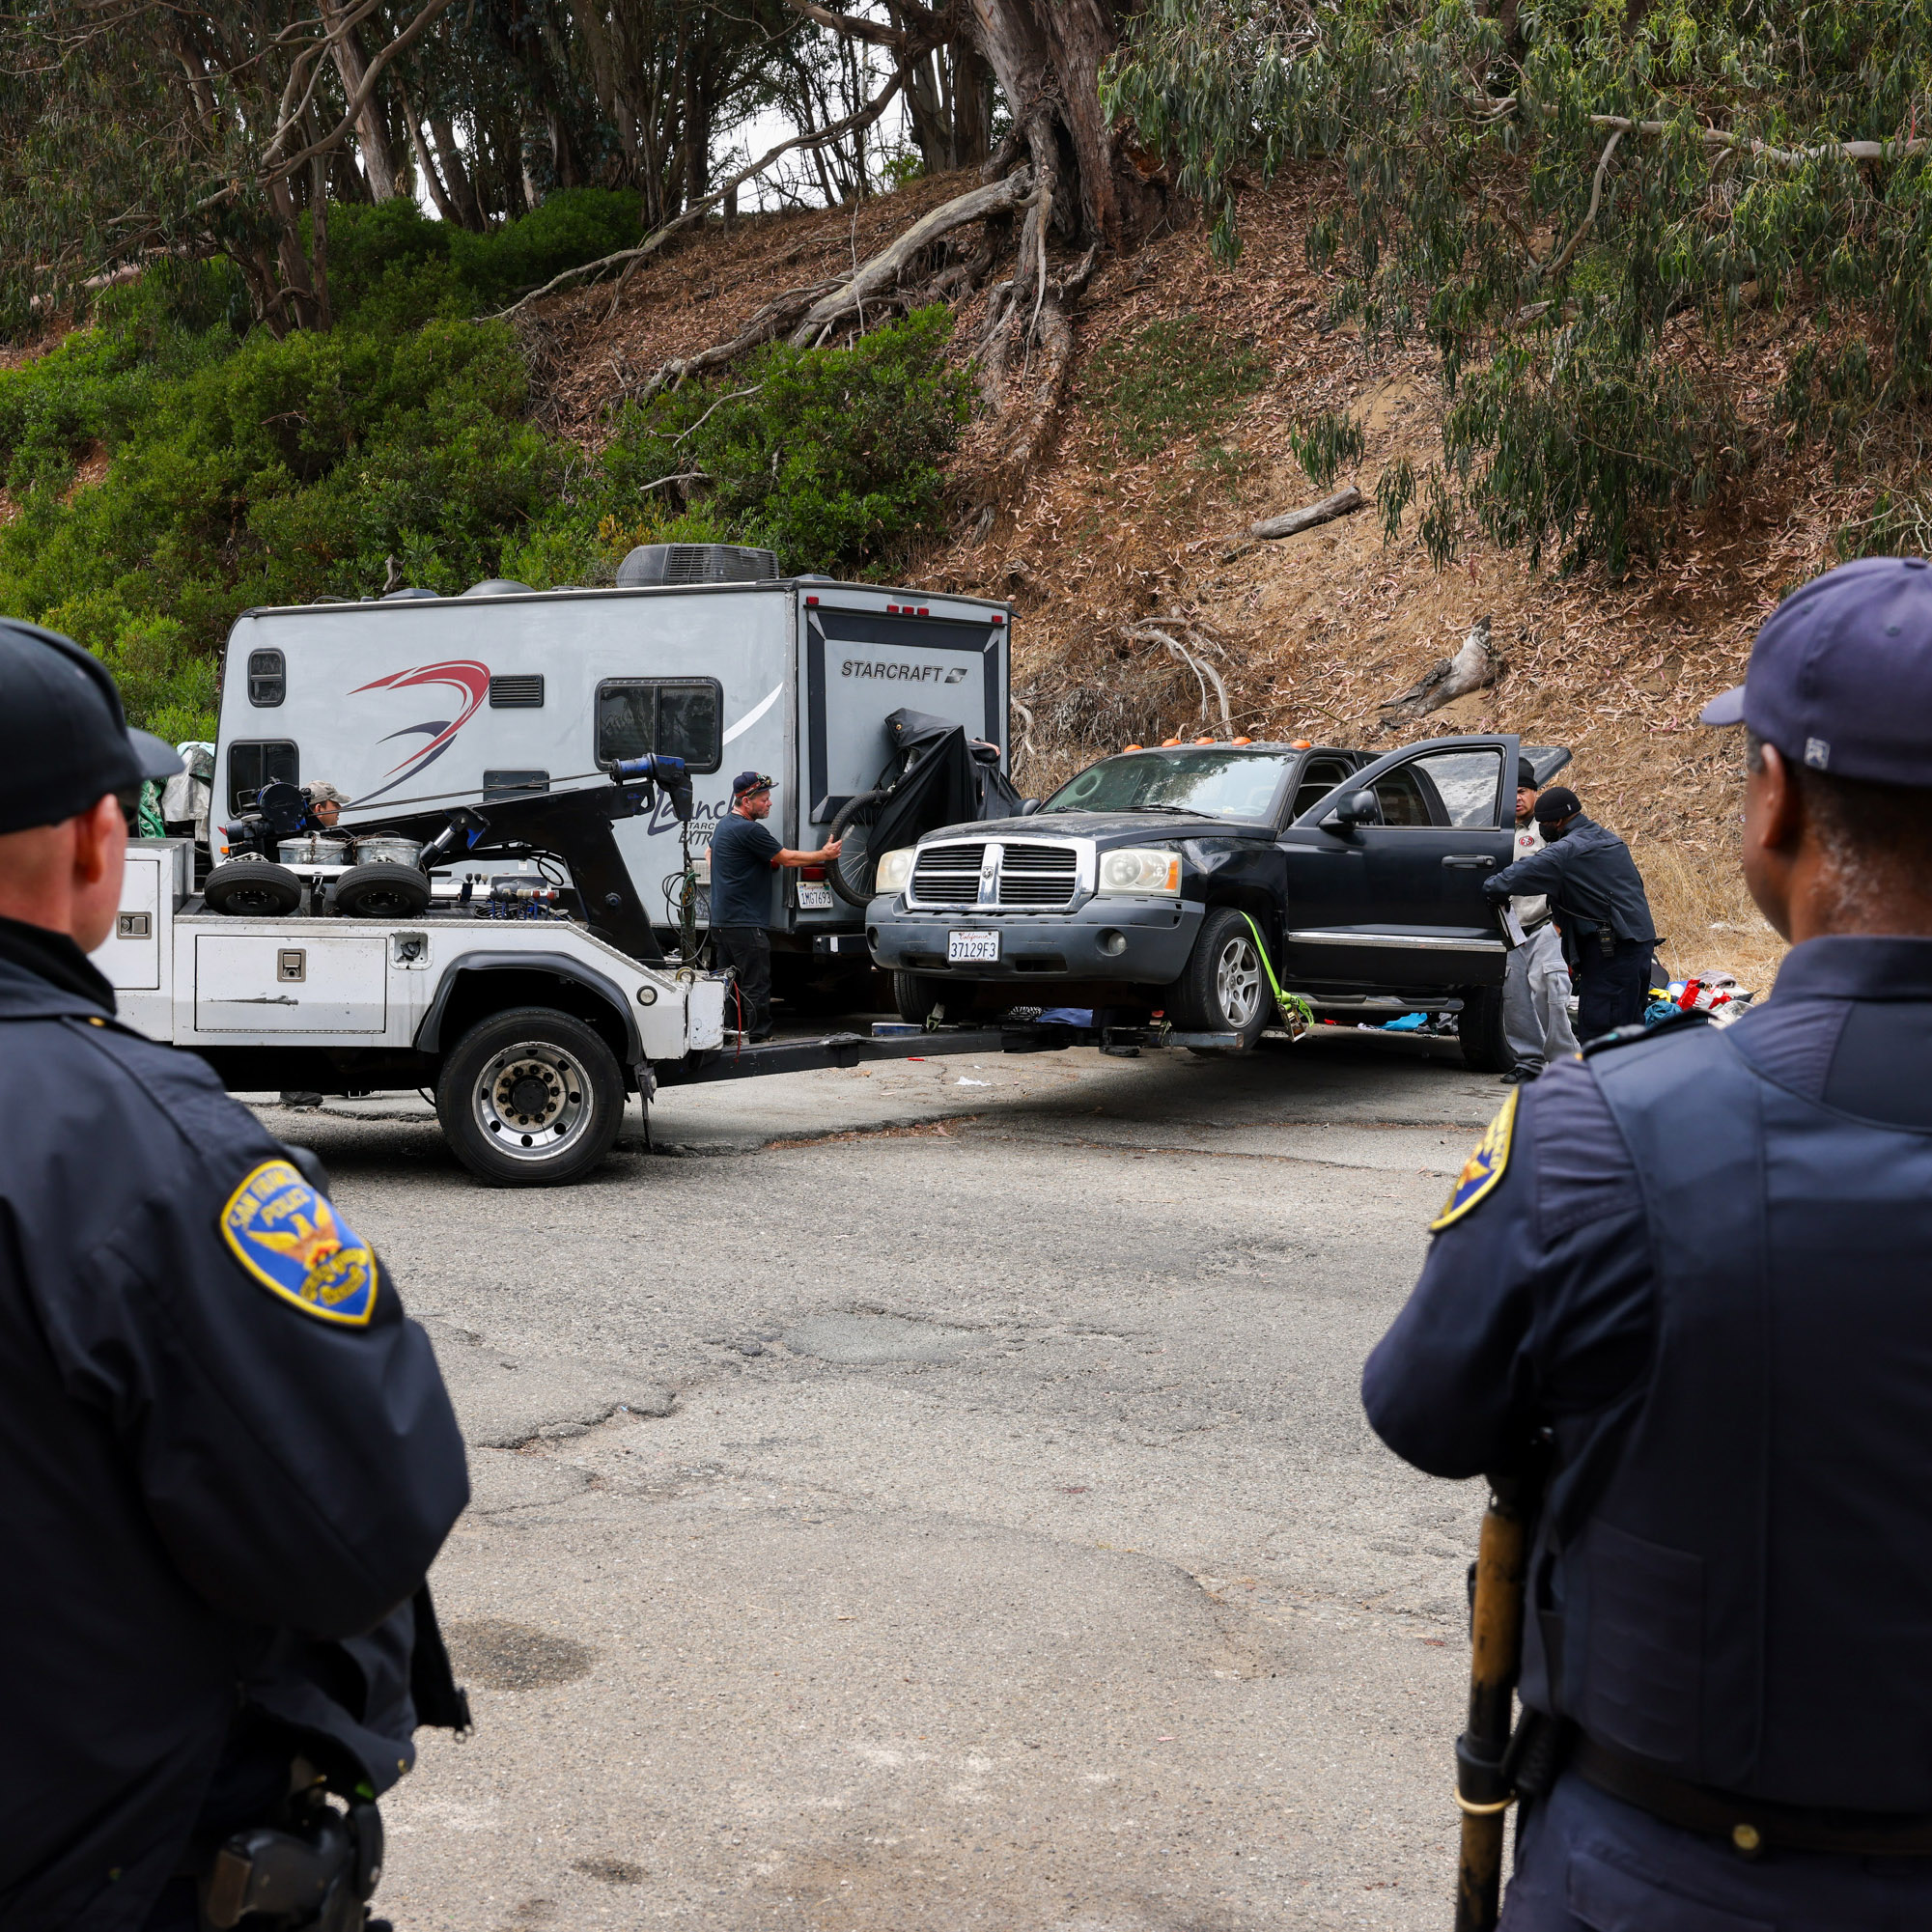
(749, 782)
(1841, 677)
(69, 743)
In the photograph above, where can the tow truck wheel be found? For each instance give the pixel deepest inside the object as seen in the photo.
(252, 889)
(530, 1097)
(1223, 988)
(914, 995)
(1479, 1028)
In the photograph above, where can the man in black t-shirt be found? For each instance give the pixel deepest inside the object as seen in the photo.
(742, 856)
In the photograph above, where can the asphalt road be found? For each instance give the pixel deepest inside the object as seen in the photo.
(936, 1496)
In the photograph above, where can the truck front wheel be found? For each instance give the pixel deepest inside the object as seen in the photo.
(1223, 988)
(916, 994)
(530, 1097)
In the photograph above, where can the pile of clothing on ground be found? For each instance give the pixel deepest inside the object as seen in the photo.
(1717, 994)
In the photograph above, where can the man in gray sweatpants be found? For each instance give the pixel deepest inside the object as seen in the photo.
(1536, 981)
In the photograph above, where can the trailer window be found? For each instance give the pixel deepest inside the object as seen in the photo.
(250, 766)
(268, 678)
(674, 717)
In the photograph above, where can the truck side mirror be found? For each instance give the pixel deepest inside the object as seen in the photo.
(1029, 806)
(1358, 808)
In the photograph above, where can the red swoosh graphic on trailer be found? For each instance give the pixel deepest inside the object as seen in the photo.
(463, 675)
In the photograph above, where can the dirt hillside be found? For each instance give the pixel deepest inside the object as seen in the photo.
(1187, 379)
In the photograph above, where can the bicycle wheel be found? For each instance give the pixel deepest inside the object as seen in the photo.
(850, 874)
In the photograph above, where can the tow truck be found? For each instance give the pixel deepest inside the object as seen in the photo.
(459, 965)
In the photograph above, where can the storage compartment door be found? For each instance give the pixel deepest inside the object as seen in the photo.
(130, 956)
(290, 983)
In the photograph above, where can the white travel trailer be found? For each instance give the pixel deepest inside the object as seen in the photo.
(415, 704)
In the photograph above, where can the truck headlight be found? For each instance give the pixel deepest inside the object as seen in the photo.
(894, 869)
(1139, 869)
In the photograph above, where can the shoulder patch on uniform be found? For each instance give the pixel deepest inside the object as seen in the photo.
(1644, 1029)
(292, 1241)
(1483, 1169)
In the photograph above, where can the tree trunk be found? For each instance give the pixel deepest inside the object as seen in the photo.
(378, 158)
(426, 163)
(455, 175)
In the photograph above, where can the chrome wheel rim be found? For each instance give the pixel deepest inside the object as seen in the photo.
(1238, 983)
(533, 1101)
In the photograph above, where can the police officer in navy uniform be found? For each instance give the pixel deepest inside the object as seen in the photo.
(1597, 895)
(1696, 1264)
(226, 1457)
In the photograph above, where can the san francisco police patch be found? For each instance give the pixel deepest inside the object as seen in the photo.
(1483, 1169)
(292, 1241)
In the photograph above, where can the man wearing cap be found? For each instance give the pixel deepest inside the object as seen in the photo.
(1596, 891)
(744, 855)
(227, 1459)
(1536, 980)
(1692, 1267)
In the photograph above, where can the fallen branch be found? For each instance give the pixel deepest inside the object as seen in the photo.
(885, 267)
(1204, 672)
(1293, 521)
(682, 476)
(1447, 678)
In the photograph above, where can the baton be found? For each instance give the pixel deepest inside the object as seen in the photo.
(1496, 1636)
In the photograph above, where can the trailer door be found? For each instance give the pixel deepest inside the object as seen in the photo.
(862, 665)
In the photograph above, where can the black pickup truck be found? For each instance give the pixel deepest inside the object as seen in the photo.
(1140, 885)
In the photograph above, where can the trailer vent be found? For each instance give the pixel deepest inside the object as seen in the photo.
(498, 587)
(516, 692)
(406, 596)
(695, 563)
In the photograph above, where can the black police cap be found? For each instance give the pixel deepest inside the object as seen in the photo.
(1841, 677)
(69, 741)
(1557, 803)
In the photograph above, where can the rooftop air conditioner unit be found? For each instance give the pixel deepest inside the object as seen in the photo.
(696, 563)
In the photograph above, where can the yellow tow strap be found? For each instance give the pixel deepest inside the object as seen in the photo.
(1291, 1006)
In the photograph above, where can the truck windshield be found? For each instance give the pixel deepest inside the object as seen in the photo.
(1220, 784)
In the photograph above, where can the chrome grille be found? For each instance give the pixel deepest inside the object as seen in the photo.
(949, 875)
(1038, 875)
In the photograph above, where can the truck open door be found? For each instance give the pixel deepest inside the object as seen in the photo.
(1384, 875)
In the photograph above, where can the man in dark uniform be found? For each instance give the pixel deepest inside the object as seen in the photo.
(1695, 1264)
(1596, 894)
(226, 1458)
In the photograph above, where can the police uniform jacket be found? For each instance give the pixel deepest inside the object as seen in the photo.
(1700, 1258)
(227, 1459)
(1591, 881)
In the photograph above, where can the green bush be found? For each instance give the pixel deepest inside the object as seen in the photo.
(825, 454)
(265, 471)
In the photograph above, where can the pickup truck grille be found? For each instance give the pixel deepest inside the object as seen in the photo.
(1038, 875)
(949, 875)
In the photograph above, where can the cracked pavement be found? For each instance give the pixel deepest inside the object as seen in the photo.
(935, 1495)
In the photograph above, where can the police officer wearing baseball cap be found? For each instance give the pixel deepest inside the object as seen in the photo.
(1596, 893)
(226, 1457)
(1695, 1262)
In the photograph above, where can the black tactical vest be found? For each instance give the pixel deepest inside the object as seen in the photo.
(1748, 1600)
